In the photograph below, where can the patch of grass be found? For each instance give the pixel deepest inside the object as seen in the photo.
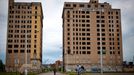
(9, 73)
(71, 73)
(15, 73)
(32, 73)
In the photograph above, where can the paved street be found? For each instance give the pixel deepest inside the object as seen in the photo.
(51, 73)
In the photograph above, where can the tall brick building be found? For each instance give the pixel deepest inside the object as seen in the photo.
(24, 35)
(89, 28)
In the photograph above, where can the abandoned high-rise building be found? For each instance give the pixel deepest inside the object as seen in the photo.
(89, 28)
(24, 35)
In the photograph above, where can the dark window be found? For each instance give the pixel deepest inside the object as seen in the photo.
(83, 25)
(68, 38)
(117, 21)
(88, 52)
(98, 30)
(118, 39)
(117, 13)
(83, 34)
(15, 51)
(102, 5)
(9, 51)
(34, 46)
(98, 34)
(98, 21)
(104, 48)
(83, 16)
(117, 30)
(98, 52)
(83, 29)
(83, 52)
(87, 12)
(102, 17)
(103, 43)
(35, 51)
(102, 21)
(22, 51)
(35, 12)
(88, 25)
(103, 34)
(103, 39)
(118, 34)
(68, 43)
(68, 29)
(9, 46)
(98, 43)
(113, 52)
(118, 43)
(68, 20)
(87, 20)
(36, 7)
(16, 46)
(83, 47)
(35, 17)
(83, 39)
(118, 52)
(88, 34)
(83, 20)
(97, 12)
(102, 25)
(68, 51)
(68, 5)
(35, 22)
(87, 16)
(35, 36)
(103, 30)
(88, 43)
(74, 5)
(83, 43)
(88, 38)
(81, 5)
(88, 47)
(98, 48)
(117, 17)
(68, 33)
(89, 6)
(98, 25)
(110, 52)
(97, 16)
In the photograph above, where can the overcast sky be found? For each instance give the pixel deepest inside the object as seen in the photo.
(52, 27)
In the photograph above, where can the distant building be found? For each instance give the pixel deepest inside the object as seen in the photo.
(88, 28)
(24, 35)
(58, 64)
(128, 66)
